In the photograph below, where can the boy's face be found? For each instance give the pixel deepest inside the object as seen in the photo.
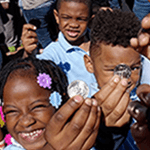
(72, 18)
(103, 64)
(27, 110)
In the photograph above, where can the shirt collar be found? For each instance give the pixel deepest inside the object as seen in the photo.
(65, 44)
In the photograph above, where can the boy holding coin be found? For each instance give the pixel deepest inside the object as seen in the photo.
(111, 53)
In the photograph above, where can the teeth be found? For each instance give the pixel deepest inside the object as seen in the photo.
(27, 134)
(31, 133)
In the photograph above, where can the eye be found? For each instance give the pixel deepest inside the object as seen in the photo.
(65, 17)
(111, 70)
(82, 19)
(10, 112)
(135, 68)
(40, 107)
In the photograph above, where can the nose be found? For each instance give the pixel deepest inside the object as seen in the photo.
(27, 121)
(74, 23)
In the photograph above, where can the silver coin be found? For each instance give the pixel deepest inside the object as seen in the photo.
(124, 71)
(78, 87)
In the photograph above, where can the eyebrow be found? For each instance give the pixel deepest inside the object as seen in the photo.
(39, 100)
(111, 66)
(138, 62)
(30, 104)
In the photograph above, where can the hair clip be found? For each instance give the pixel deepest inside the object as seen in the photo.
(44, 80)
(55, 99)
(8, 139)
(2, 120)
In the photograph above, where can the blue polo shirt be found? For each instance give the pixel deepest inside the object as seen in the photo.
(69, 58)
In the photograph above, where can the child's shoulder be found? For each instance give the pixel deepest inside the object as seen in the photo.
(13, 147)
(145, 75)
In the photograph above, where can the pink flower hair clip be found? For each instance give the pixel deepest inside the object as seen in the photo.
(8, 139)
(44, 80)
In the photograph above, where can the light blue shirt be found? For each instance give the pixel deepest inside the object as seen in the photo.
(69, 58)
(14, 146)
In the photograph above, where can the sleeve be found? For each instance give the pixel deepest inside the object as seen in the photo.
(110, 138)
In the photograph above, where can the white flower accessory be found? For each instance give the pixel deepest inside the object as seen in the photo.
(55, 99)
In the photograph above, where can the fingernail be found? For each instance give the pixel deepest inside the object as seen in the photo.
(94, 102)
(98, 108)
(116, 80)
(77, 99)
(136, 110)
(34, 27)
(88, 102)
(124, 82)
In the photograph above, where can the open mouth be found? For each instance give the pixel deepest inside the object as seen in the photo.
(72, 33)
(31, 136)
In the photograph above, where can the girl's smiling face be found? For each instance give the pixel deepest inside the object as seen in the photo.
(27, 110)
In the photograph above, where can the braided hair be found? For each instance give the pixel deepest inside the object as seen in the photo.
(32, 66)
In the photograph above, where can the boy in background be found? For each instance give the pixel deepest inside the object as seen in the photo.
(110, 49)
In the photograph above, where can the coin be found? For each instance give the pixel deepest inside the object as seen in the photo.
(78, 87)
(124, 71)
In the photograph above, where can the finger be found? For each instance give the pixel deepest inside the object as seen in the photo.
(62, 115)
(27, 27)
(146, 22)
(106, 90)
(79, 119)
(115, 97)
(89, 126)
(139, 131)
(143, 92)
(134, 42)
(137, 111)
(74, 127)
(143, 39)
(30, 48)
(141, 135)
(89, 133)
(91, 139)
(119, 116)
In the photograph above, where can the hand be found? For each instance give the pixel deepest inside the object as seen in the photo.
(29, 38)
(142, 43)
(141, 112)
(80, 131)
(114, 99)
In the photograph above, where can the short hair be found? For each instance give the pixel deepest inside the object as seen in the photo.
(31, 67)
(113, 27)
(97, 4)
(86, 2)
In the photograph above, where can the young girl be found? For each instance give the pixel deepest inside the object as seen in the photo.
(31, 90)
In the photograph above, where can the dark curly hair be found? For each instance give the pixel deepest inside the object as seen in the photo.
(113, 27)
(31, 67)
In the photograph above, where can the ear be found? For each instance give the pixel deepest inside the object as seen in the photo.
(56, 15)
(88, 63)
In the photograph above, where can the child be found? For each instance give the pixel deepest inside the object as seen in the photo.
(31, 91)
(110, 46)
(73, 41)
